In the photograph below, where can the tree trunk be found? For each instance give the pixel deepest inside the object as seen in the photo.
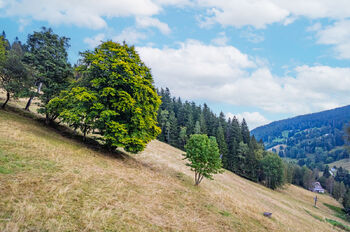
(31, 98)
(47, 119)
(85, 129)
(198, 178)
(7, 99)
(28, 103)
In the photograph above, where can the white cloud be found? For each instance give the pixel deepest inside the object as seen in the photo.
(253, 119)
(240, 13)
(178, 3)
(314, 27)
(145, 22)
(338, 35)
(93, 42)
(252, 37)
(195, 64)
(87, 13)
(2, 3)
(221, 40)
(130, 36)
(224, 74)
(260, 13)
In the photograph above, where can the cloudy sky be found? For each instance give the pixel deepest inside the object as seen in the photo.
(263, 60)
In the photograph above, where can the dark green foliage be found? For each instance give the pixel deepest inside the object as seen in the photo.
(47, 54)
(339, 212)
(203, 156)
(245, 132)
(222, 144)
(346, 202)
(114, 97)
(338, 224)
(15, 76)
(326, 173)
(272, 167)
(338, 190)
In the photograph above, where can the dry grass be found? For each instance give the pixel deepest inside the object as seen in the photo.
(345, 163)
(51, 183)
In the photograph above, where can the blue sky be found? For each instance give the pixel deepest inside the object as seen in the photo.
(264, 60)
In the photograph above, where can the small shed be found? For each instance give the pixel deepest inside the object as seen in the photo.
(316, 187)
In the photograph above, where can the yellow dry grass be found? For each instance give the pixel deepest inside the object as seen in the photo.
(51, 183)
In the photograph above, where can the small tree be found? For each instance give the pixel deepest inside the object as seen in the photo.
(273, 171)
(203, 156)
(15, 77)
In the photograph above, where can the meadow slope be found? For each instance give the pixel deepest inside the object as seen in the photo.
(49, 182)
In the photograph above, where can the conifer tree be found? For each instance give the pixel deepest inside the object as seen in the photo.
(183, 136)
(222, 145)
(245, 132)
(197, 128)
(326, 173)
(202, 123)
(174, 131)
(47, 54)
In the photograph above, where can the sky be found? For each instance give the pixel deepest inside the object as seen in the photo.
(263, 60)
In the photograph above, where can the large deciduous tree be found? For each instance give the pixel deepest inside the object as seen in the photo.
(203, 156)
(272, 167)
(47, 54)
(115, 97)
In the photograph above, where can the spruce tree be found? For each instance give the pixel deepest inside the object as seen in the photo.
(174, 131)
(197, 128)
(222, 145)
(245, 132)
(47, 54)
(326, 173)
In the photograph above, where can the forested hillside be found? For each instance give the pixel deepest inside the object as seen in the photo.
(240, 152)
(313, 139)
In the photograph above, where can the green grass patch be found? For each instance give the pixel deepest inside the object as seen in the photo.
(13, 163)
(339, 212)
(314, 215)
(338, 224)
(224, 213)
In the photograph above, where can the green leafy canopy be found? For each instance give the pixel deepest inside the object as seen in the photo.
(115, 97)
(203, 156)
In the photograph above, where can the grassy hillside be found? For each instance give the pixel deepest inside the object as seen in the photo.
(345, 163)
(49, 182)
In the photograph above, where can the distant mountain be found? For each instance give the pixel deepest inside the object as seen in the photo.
(312, 139)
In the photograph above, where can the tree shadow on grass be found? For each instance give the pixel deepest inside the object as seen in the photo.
(67, 132)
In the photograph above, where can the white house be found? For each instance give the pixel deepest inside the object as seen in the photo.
(316, 187)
